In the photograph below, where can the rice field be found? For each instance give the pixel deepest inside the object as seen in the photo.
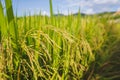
(37, 47)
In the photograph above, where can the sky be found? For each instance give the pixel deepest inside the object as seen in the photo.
(22, 7)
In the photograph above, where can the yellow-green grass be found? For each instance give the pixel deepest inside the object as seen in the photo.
(56, 48)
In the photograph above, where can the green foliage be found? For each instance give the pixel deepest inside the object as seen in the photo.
(3, 28)
(58, 47)
(51, 10)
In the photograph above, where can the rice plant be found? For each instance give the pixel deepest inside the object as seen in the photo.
(37, 47)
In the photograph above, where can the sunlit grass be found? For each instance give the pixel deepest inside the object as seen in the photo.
(57, 47)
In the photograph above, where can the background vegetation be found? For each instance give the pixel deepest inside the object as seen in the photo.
(58, 47)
